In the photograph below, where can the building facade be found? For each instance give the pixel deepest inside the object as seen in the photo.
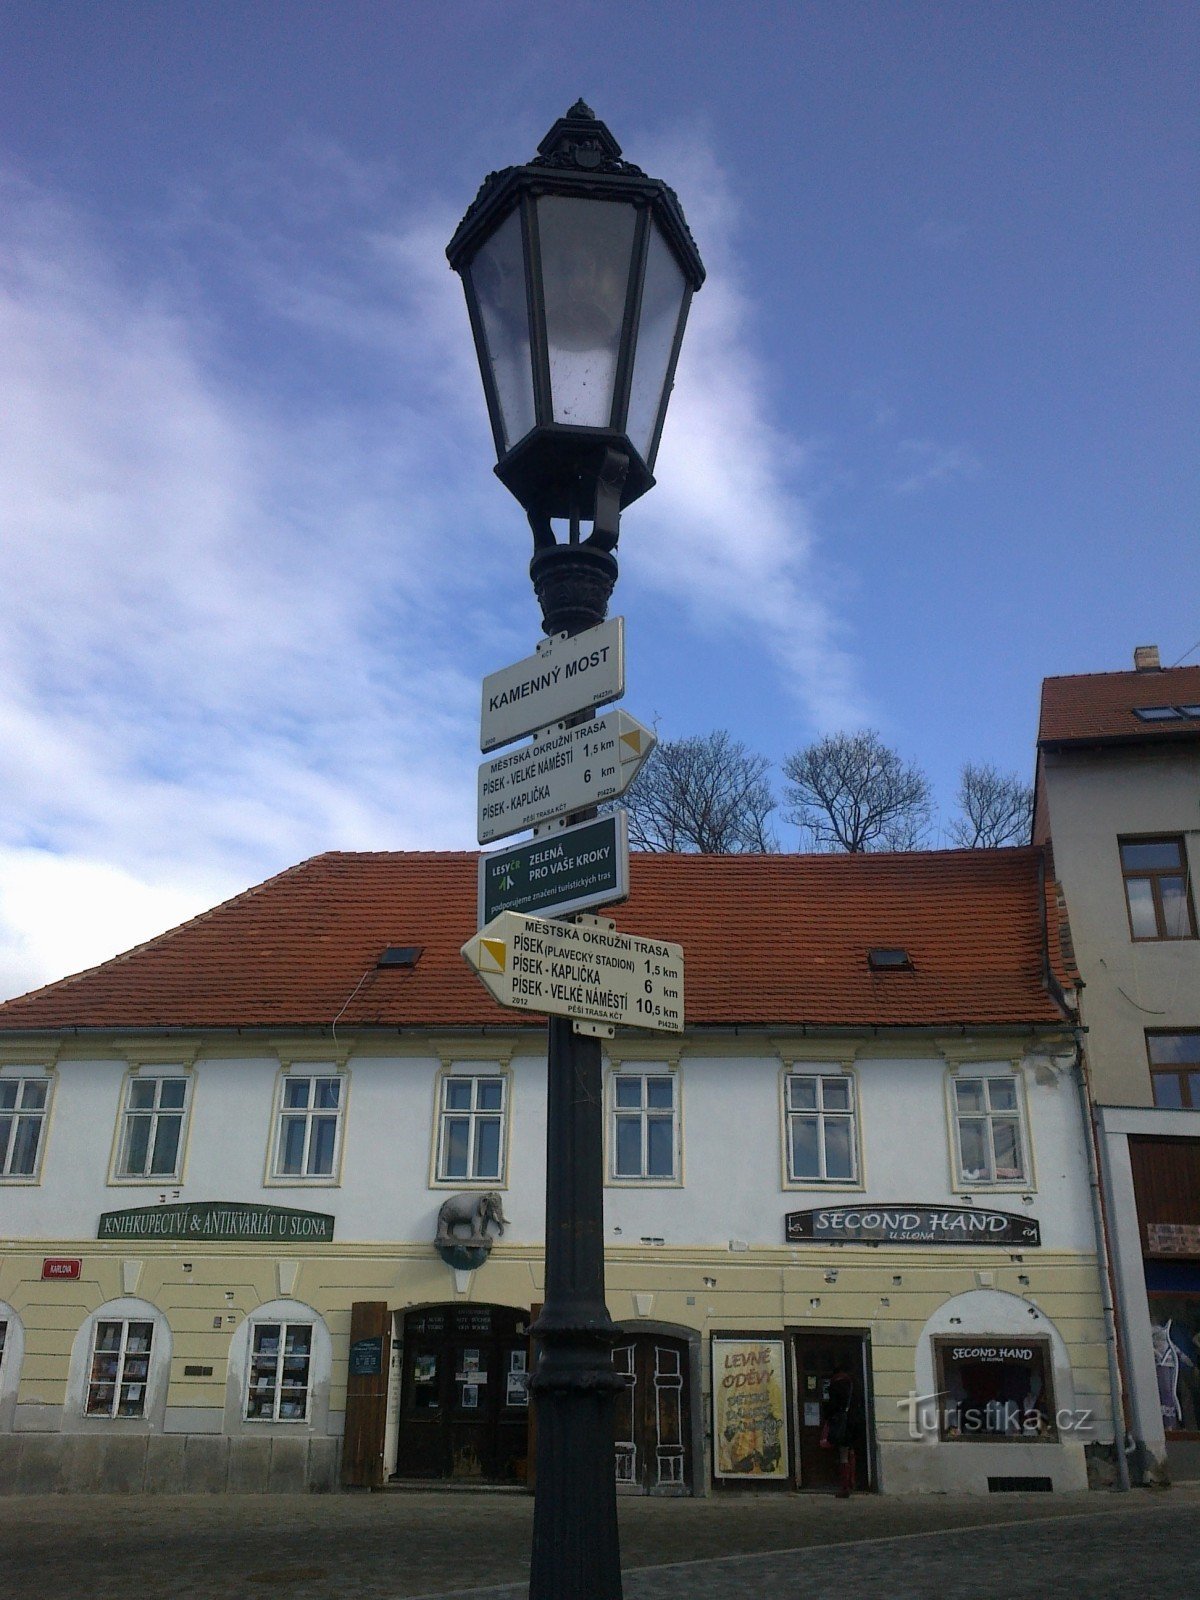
(1118, 798)
(274, 1191)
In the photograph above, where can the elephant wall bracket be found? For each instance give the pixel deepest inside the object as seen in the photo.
(477, 1212)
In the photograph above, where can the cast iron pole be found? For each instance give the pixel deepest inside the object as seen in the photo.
(576, 1550)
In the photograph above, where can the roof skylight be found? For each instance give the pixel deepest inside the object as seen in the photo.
(1158, 713)
(401, 955)
(889, 959)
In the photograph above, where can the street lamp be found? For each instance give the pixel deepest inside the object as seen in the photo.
(578, 271)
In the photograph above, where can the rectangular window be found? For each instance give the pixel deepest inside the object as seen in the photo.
(309, 1133)
(988, 1127)
(644, 1125)
(995, 1389)
(821, 1142)
(1175, 1068)
(280, 1361)
(152, 1136)
(471, 1128)
(120, 1369)
(1156, 889)
(22, 1120)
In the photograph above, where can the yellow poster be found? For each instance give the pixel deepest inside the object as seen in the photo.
(749, 1408)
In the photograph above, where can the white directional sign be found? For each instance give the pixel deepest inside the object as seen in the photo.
(568, 674)
(563, 770)
(584, 970)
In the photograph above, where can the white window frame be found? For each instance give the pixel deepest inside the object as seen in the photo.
(256, 1364)
(820, 1072)
(158, 1076)
(19, 1113)
(474, 1114)
(986, 1074)
(124, 1358)
(312, 1073)
(640, 1073)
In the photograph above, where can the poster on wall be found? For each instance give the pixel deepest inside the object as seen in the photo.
(749, 1409)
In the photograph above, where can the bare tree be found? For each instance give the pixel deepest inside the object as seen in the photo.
(996, 807)
(706, 794)
(849, 791)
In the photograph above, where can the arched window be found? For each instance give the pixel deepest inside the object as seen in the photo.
(12, 1351)
(280, 1363)
(120, 1368)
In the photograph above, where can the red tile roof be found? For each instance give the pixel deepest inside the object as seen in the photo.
(767, 940)
(1099, 706)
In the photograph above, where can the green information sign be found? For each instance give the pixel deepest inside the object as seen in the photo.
(217, 1220)
(366, 1358)
(587, 865)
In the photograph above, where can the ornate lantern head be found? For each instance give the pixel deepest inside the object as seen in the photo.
(578, 271)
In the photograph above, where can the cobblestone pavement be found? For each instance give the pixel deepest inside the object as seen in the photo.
(404, 1546)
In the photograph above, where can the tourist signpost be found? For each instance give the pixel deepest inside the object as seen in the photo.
(565, 769)
(583, 969)
(569, 673)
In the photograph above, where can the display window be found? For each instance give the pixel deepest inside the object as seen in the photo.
(280, 1361)
(1175, 1330)
(120, 1369)
(995, 1389)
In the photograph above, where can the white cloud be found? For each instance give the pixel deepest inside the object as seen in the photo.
(243, 619)
(61, 913)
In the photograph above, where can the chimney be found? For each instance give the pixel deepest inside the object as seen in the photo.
(1145, 658)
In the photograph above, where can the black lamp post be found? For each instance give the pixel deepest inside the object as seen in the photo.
(578, 271)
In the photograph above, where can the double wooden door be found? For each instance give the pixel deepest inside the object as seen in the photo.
(464, 1399)
(652, 1415)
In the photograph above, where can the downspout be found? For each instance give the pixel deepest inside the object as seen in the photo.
(1079, 1072)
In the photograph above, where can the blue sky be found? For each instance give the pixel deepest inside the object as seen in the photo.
(933, 435)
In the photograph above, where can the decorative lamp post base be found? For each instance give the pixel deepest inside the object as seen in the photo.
(574, 583)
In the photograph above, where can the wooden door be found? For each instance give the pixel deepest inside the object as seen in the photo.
(464, 1400)
(366, 1395)
(651, 1421)
(816, 1357)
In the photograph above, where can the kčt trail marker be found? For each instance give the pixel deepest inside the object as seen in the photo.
(584, 969)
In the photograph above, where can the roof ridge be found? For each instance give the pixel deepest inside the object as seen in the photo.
(1122, 672)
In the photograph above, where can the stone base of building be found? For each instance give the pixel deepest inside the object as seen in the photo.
(964, 1468)
(63, 1463)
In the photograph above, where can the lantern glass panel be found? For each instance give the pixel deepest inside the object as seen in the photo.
(498, 278)
(586, 250)
(662, 300)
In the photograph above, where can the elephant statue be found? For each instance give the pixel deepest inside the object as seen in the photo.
(474, 1211)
